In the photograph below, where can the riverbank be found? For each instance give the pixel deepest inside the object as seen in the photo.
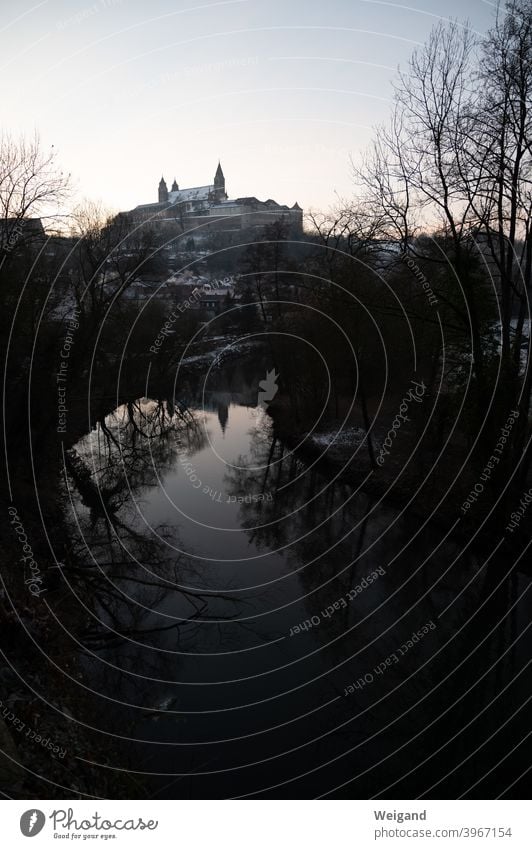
(45, 724)
(429, 487)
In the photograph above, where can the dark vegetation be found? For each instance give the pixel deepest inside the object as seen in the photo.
(425, 275)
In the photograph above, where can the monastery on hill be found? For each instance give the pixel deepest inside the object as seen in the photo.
(206, 209)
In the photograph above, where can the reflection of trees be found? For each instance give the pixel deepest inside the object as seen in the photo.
(311, 525)
(135, 445)
(403, 692)
(118, 563)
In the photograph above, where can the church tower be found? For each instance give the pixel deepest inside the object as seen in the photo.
(163, 191)
(219, 185)
(175, 187)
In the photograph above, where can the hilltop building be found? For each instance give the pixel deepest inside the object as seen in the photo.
(202, 210)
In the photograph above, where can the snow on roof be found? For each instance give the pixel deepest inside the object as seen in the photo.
(209, 295)
(195, 193)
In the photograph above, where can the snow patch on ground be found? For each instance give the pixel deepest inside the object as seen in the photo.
(336, 437)
(219, 354)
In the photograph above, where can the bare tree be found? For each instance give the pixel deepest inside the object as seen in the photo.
(456, 162)
(31, 184)
(416, 175)
(500, 157)
(109, 257)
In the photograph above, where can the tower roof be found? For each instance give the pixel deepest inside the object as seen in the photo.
(219, 173)
(162, 182)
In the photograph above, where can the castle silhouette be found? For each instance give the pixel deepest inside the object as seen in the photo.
(200, 210)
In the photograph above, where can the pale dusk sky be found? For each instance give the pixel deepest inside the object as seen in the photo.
(283, 93)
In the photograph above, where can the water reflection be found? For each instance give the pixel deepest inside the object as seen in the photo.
(259, 624)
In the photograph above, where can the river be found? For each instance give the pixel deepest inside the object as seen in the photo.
(258, 628)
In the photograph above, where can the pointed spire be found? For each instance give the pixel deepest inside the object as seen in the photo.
(163, 191)
(219, 192)
(223, 415)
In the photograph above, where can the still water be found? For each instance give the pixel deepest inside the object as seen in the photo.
(260, 628)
